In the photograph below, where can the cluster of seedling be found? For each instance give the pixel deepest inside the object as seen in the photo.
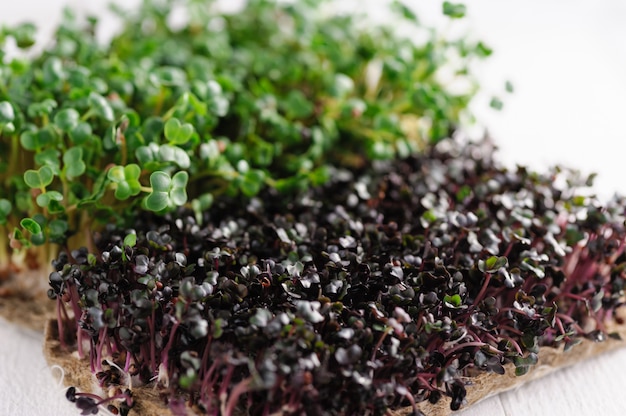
(376, 291)
(170, 115)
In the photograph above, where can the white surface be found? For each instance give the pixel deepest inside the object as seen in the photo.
(27, 384)
(567, 61)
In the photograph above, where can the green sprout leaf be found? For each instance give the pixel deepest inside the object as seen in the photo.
(73, 161)
(39, 179)
(101, 107)
(145, 154)
(126, 180)
(167, 191)
(218, 103)
(482, 50)
(160, 182)
(157, 201)
(29, 140)
(492, 264)
(24, 35)
(496, 103)
(35, 140)
(57, 230)
(49, 157)
(404, 11)
(252, 182)
(44, 199)
(380, 150)
(199, 107)
(454, 10)
(67, 119)
(41, 109)
(174, 154)
(130, 240)
(176, 132)
(297, 105)
(5, 210)
(170, 76)
(31, 226)
(52, 71)
(7, 115)
(80, 133)
(453, 301)
(97, 191)
(342, 86)
(178, 193)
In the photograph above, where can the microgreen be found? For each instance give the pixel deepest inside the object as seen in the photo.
(167, 191)
(125, 180)
(89, 403)
(344, 299)
(176, 132)
(454, 10)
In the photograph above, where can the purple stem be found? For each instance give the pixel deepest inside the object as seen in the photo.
(92, 355)
(380, 342)
(128, 362)
(165, 352)
(60, 323)
(236, 392)
(100, 401)
(226, 381)
(483, 289)
(205, 354)
(411, 399)
(77, 315)
(152, 342)
(100, 348)
(515, 344)
(473, 344)
(570, 320)
(206, 391)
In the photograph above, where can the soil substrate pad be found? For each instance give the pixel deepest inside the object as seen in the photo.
(23, 300)
(479, 387)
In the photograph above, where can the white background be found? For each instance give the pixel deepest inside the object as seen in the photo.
(567, 60)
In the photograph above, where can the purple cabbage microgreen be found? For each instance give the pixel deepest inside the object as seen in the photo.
(120, 403)
(339, 299)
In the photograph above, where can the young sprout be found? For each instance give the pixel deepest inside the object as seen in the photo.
(345, 299)
(89, 403)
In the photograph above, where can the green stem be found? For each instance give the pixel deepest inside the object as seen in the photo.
(15, 154)
(159, 102)
(85, 224)
(5, 257)
(169, 114)
(87, 115)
